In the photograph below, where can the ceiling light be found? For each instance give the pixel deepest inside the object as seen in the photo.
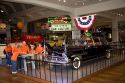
(121, 14)
(83, 3)
(64, 1)
(59, 0)
(100, 0)
(1, 11)
(118, 14)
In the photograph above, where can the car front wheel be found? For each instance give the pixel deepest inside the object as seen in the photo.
(76, 62)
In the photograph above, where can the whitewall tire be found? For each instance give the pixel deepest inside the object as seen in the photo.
(76, 62)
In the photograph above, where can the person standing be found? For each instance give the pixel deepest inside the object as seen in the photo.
(32, 50)
(24, 48)
(24, 51)
(16, 52)
(39, 50)
(8, 52)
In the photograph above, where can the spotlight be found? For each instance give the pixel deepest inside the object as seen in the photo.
(1, 11)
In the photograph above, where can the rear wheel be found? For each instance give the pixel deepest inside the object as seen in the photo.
(76, 62)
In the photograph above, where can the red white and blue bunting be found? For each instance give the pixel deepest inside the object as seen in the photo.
(84, 22)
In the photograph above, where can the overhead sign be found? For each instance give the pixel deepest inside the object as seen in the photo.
(60, 27)
(84, 22)
(59, 23)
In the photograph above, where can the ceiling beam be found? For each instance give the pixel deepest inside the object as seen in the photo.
(10, 5)
(95, 8)
(3, 8)
(23, 6)
(106, 15)
(100, 7)
(45, 15)
(44, 4)
(28, 11)
(37, 10)
(121, 18)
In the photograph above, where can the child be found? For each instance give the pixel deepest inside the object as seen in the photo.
(16, 53)
(8, 52)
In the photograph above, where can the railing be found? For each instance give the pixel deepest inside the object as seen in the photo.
(65, 73)
(2, 46)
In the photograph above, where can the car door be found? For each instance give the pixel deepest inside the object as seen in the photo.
(91, 49)
(99, 45)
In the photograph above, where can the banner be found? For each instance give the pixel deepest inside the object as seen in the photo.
(84, 22)
(32, 38)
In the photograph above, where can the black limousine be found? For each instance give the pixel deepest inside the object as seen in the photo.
(77, 50)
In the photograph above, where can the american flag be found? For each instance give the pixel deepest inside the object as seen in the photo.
(44, 46)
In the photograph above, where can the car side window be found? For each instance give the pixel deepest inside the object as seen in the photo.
(97, 41)
(89, 41)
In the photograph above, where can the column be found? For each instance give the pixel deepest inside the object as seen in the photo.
(76, 33)
(24, 30)
(115, 34)
(8, 33)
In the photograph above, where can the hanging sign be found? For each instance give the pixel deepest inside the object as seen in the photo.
(60, 27)
(60, 23)
(84, 22)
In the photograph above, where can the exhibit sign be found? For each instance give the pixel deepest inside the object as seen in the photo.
(59, 23)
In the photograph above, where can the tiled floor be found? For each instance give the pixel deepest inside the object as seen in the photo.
(115, 74)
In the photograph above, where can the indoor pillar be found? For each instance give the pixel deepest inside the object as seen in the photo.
(76, 33)
(8, 33)
(115, 34)
(24, 30)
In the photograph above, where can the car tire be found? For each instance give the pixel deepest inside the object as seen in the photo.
(76, 62)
